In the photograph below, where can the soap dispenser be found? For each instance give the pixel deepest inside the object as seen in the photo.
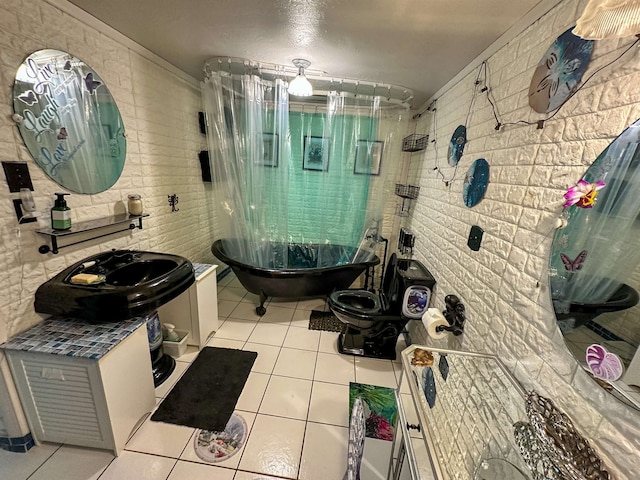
(60, 213)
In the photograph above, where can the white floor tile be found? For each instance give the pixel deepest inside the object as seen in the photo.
(267, 356)
(302, 338)
(286, 397)
(334, 369)
(319, 303)
(328, 342)
(274, 446)
(233, 294)
(240, 475)
(374, 371)
(235, 329)
(284, 302)
(20, 466)
(329, 404)
(278, 314)
(198, 471)
(138, 466)
(301, 318)
(324, 455)
(254, 299)
(245, 311)
(159, 438)
(232, 461)
(73, 463)
(190, 355)
(162, 390)
(296, 363)
(253, 391)
(269, 334)
(235, 283)
(226, 280)
(225, 343)
(225, 307)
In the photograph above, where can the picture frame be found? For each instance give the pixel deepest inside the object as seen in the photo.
(270, 151)
(368, 157)
(316, 153)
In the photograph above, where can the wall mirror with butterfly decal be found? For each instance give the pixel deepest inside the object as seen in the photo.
(594, 268)
(69, 121)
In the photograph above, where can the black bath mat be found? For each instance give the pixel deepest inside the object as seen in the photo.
(326, 321)
(207, 393)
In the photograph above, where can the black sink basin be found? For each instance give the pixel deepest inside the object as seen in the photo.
(133, 283)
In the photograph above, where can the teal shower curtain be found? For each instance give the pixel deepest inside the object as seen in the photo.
(298, 173)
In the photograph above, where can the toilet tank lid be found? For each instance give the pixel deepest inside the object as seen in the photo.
(414, 270)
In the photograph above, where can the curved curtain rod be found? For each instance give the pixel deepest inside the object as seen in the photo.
(241, 66)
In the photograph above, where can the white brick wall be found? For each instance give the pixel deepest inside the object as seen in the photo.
(504, 285)
(159, 108)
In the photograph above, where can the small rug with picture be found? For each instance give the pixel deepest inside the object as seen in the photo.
(325, 321)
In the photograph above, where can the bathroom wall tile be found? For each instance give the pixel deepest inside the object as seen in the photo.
(73, 463)
(269, 334)
(253, 391)
(302, 338)
(286, 397)
(159, 438)
(138, 466)
(324, 454)
(296, 363)
(274, 446)
(197, 471)
(329, 404)
(335, 369)
(267, 356)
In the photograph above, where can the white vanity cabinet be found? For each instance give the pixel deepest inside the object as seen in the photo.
(80, 384)
(196, 309)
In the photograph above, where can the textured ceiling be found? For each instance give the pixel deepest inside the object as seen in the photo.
(418, 44)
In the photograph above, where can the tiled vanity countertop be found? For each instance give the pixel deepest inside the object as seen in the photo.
(73, 337)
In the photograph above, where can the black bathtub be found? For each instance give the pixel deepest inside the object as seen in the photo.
(305, 279)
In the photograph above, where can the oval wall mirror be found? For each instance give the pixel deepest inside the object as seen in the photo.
(594, 268)
(69, 122)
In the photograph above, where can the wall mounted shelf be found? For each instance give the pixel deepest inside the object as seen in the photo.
(407, 193)
(92, 227)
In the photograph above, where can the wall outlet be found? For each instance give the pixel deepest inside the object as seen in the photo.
(17, 174)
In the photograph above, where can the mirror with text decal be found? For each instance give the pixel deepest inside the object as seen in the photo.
(69, 121)
(594, 268)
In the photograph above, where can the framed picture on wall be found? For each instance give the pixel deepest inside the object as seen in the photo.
(316, 153)
(270, 150)
(368, 157)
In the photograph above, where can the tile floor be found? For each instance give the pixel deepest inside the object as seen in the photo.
(295, 405)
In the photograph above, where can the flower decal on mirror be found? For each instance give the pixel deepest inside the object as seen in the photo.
(583, 194)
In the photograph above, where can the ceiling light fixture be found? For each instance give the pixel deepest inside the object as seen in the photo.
(609, 19)
(300, 86)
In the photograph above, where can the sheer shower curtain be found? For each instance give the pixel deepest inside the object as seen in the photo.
(293, 177)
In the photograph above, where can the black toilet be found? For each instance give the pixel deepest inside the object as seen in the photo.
(375, 321)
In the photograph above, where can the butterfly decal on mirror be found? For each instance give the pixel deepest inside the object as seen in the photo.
(67, 65)
(28, 97)
(62, 134)
(90, 83)
(576, 264)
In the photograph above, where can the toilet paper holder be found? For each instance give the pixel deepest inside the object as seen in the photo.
(454, 314)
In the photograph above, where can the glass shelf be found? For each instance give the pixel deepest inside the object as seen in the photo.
(90, 226)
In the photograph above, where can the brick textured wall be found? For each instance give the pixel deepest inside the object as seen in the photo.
(504, 285)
